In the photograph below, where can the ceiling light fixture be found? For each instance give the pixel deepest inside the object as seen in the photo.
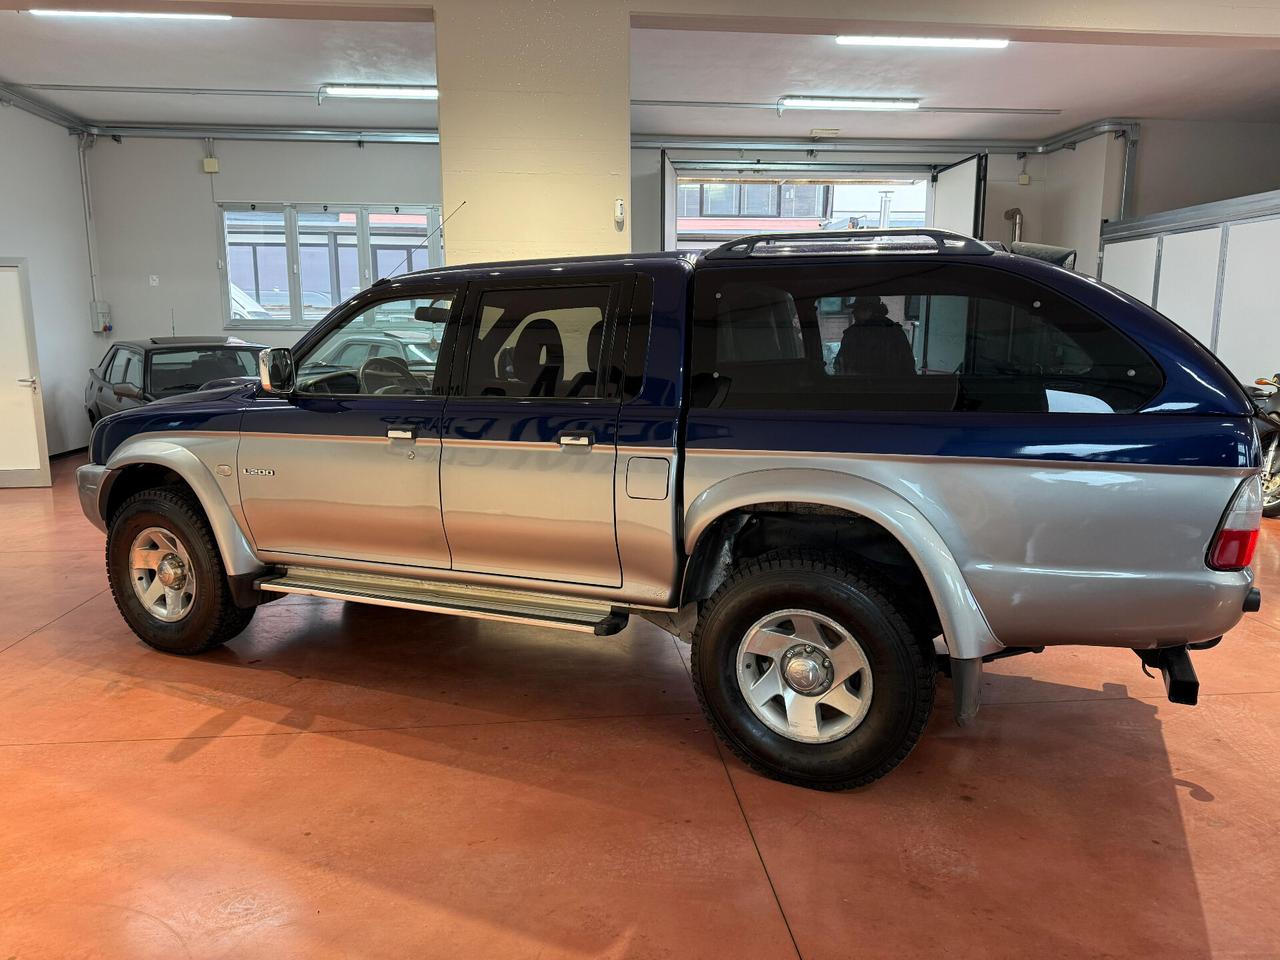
(121, 15)
(847, 103)
(368, 91)
(975, 43)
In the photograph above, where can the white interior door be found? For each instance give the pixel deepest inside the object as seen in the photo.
(960, 196)
(24, 459)
(670, 186)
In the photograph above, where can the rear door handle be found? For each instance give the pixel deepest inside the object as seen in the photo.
(400, 434)
(577, 439)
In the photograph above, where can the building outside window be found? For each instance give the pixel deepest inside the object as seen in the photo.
(707, 210)
(287, 265)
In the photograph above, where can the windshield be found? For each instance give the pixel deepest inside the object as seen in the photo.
(181, 371)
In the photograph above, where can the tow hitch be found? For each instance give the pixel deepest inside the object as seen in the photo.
(1174, 664)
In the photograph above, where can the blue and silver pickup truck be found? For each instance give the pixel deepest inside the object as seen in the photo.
(837, 464)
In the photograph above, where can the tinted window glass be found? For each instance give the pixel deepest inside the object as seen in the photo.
(390, 348)
(630, 351)
(538, 342)
(907, 337)
(180, 371)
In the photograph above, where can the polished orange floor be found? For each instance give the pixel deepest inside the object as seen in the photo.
(354, 782)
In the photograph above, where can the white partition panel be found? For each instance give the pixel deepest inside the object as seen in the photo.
(1249, 319)
(959, 196)
(1130, 265)
(1188, 282)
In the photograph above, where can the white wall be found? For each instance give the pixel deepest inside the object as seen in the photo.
(42, 220)
(1185, 162)
(1005, 192)
(1081, 190)
(155, 215)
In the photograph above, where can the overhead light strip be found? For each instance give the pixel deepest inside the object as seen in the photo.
(966, 43)
(123, 15)
(366, 91)
(847, 103)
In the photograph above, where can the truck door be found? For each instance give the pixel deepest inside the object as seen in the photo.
(529, 436)
(348, 466)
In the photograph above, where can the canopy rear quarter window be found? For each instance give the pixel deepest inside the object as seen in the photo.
(906, 336)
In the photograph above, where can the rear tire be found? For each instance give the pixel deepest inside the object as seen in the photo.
(1271, 481)
(805, 608)
(197, 614)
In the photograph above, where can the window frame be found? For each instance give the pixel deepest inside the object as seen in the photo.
(621, 290)
(297, 321)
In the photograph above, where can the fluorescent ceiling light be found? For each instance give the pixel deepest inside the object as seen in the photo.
(847, 103)
(108, 14)
(979, 43)
(366, 91)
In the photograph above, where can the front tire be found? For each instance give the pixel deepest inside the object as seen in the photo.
(167, 577)
(808, 671)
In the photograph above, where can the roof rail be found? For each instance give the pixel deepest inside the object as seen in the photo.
(829, 242)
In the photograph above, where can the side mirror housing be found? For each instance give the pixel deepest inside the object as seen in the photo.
(275, 369)
(126, 391)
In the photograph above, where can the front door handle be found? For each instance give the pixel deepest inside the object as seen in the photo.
(400, 434)
(577, 439)
(27, 381)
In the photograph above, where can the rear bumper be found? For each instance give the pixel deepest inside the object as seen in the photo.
(92, 481)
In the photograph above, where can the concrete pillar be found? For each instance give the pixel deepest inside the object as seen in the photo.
(535, 127)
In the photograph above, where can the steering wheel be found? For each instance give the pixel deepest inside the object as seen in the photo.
(387, 375)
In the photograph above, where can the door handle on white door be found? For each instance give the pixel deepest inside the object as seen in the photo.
(577, 439)
(28, 381)
(400, 434)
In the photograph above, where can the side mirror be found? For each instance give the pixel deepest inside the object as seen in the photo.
(126, 391)
(275, 369)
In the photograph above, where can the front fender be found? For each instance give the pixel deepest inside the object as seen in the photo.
(196, 460)
(963, 624)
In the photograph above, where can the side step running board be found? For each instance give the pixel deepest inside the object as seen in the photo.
(485, 603)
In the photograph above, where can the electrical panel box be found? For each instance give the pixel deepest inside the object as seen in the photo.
(210, 164)
(100, 316)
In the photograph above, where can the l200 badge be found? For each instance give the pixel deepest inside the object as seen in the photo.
(259, 472)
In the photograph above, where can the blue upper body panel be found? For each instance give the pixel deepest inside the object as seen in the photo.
(1201, 416)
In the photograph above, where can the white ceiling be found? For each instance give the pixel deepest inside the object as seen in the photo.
(1084, 81)
(296, 55)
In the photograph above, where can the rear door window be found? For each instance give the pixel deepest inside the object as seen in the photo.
(907, 336)
(539, 342)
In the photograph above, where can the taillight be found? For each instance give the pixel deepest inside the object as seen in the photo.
(1232, 547)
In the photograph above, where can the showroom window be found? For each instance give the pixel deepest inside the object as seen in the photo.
(287, 265)
(753, 199)
(905, 337)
